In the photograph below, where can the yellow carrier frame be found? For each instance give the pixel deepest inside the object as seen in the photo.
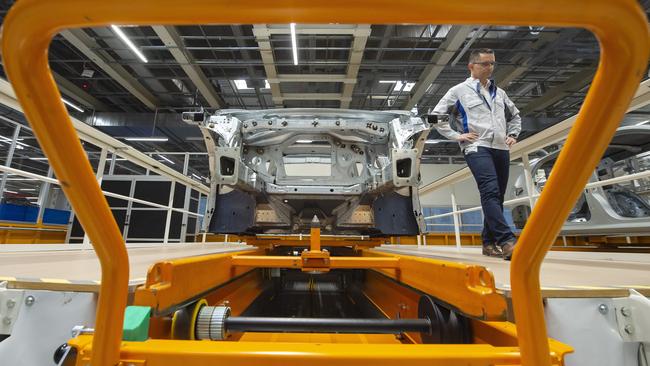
(620, 26)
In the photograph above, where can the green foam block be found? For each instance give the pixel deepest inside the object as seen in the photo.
(136, 323)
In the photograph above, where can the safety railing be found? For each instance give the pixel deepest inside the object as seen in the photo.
(527, 198)
(620, 26)
(169, 208)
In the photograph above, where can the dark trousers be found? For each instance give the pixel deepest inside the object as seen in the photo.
(490, 168)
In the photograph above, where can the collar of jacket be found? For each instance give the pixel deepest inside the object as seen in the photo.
(475, 84)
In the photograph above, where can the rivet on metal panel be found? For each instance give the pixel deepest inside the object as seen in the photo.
(629, 329)
(603, 309)
(11, 303)
(30, 300)
(6, 320)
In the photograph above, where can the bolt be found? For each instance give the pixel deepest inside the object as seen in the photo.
(211, 125)
(629, 329)
(254, 123)
(602, 308)
(338, 123)
(6, 320)
(30, 300)
(11, 303)
(626, 311)
(270, 123)
(284, 123)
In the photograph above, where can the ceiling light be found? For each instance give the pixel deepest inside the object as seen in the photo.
(642, 122)
(304, 141)
(241, 84)
(37, 158)
(294, 46)
(72, 105)
(387, 81)
(27, 189)
(128, 42)
(199, 177)
(87, 73)
(8, 141)
(6, 191)
(403, 86)
(267, 85)
(165, 159)
(152, 139)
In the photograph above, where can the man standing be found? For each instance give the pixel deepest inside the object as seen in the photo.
(486, 124)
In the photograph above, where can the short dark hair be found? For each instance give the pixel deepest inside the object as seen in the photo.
(476, 54)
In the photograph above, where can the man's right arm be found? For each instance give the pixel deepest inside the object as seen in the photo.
(446, 106)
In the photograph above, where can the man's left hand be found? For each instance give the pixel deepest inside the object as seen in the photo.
(510, 141)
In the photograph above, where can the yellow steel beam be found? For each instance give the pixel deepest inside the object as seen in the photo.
(620, 26)
(314, 239)
(176, 352)
(468, 288)
(174, 282)
(333, 241)
(263, 261)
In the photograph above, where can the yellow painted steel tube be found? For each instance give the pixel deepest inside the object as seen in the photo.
(620, 26)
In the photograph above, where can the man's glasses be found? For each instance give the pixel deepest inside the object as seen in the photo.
(485, 63)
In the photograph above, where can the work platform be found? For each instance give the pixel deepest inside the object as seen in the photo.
(564, 274)
(63, 267)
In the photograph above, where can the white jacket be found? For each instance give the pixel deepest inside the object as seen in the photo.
(470, 111)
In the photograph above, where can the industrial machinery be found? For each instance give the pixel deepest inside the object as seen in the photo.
(347, 301)
(250, 307)
(614, 208)
(273, 170)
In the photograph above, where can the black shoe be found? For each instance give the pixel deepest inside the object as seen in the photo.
(508, 248)
(492, 250)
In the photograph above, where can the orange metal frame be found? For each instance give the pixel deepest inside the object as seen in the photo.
(325, 241)
(620, 26)
(172, 283)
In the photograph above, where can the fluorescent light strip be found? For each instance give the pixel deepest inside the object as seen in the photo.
(8, 141)
(294, 45)
(37, 158)
(27, 189)
(6, 191)
(73, 106)
(166, 159)
(128, 42)
(304, 141)
(162, 139)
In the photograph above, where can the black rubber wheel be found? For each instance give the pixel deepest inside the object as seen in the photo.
(447, 326)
